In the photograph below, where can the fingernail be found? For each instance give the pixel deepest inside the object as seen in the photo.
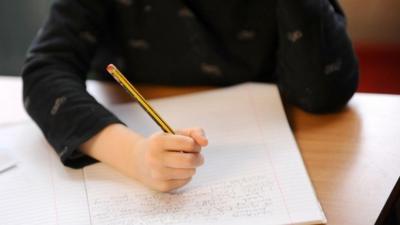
(203, 134)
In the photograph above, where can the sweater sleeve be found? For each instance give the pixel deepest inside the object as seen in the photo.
(316, 66)
(54, 77)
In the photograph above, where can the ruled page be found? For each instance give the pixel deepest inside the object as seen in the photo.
(39, 190)
(253, 171)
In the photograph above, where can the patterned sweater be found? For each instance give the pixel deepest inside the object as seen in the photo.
(301, 45)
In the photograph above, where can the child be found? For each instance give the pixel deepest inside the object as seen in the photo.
(301, 45)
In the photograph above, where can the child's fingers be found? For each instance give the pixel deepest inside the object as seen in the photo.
(197, 134)
(180, 143)
(162, 141)
(165, 186)
(182, 160)
(165, 173)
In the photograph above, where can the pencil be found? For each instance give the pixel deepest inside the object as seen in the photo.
(132, 91)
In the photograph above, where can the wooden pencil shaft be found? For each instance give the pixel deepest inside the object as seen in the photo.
(120, 78)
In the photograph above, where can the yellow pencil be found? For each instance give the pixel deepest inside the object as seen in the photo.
(118, 76)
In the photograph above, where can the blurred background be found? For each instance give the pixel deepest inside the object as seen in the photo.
(374, 26)
(19, 22)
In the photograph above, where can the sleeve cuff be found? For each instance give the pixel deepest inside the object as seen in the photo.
(70, 153)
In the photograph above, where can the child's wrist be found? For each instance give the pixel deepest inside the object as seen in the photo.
(113, 145)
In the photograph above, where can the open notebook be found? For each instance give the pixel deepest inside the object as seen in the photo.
(253, 171)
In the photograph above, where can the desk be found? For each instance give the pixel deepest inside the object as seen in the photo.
(353, 156)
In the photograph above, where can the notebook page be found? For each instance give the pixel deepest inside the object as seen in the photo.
(294, 182)
(39, 190)
(277, 140)
(239, 181)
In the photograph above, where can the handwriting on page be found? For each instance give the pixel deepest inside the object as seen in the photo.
(253, 173)
(244, 197)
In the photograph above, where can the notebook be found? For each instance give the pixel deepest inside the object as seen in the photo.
(253, 171)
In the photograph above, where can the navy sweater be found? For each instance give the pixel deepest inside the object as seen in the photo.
(301, 45)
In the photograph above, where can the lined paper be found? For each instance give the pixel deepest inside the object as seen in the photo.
(40, 190)
(253, 170)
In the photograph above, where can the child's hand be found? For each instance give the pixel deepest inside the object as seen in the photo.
(162, 161)
(165, 162)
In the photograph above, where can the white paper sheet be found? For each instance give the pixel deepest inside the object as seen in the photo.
(40, 190)
(253, 171)
(6, 161)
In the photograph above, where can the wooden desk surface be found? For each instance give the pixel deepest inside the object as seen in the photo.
(353, 156)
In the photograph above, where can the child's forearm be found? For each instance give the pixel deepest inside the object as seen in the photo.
(112, 146)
